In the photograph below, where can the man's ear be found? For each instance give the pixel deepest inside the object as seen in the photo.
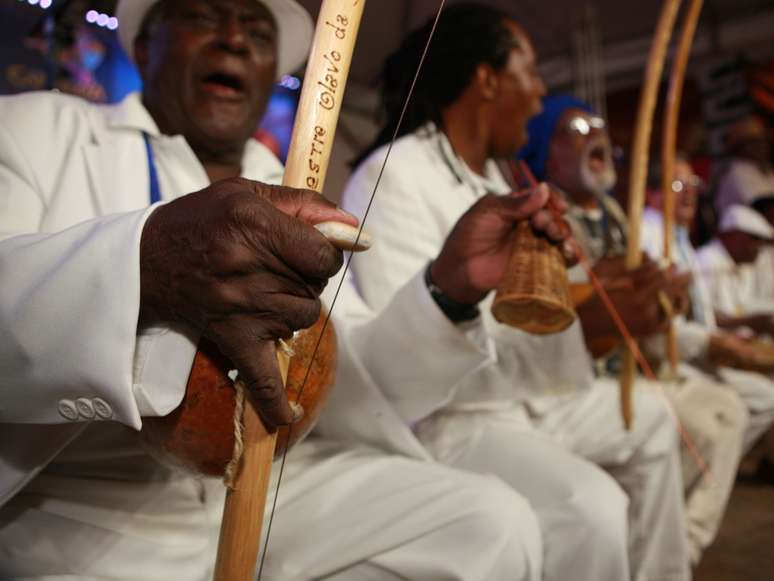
(487, 81)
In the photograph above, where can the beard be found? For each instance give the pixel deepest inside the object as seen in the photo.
(597, 172)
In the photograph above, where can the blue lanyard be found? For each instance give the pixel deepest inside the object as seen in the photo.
(155, 190)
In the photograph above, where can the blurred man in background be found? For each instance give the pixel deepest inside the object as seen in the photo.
(570, 147)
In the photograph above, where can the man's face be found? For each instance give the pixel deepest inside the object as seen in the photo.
(208, 67)
(520, 91)
(743, 247)
(686, 187)
(580, 157)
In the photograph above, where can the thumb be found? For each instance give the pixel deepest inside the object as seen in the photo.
(522, 205)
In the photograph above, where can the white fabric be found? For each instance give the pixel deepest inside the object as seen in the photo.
(711, 418)
(684, 256)
(711, 433)
(764, 272)
(743, 183)
(717, 424)
(424, 190)
(74, 206)
(83, 498)
(732, 286)
(396, 518)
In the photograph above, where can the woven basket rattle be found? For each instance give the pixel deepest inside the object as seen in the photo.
(534, 294)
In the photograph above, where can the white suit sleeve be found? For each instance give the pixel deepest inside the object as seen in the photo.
(69, 304)
(406, 233)
(415, 354)
(69, 320)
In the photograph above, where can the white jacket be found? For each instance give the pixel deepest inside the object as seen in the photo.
(733, 287)
(692, 336)
(74, 195)
(423, 191)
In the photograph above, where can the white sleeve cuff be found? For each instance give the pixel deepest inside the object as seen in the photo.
(162, 364)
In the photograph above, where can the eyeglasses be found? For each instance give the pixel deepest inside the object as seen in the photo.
(681, 185)
(584, 125)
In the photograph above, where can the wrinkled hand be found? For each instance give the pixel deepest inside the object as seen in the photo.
(476, 252)
(678, 289)
(635, 296)
(760, 323)
(240, 261)
(728, 350)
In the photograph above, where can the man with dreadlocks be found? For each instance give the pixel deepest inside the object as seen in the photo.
(535, 419)
(103, 299)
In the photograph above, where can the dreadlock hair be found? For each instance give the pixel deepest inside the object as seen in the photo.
(467, 35)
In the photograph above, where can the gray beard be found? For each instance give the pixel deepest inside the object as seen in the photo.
(598, 183)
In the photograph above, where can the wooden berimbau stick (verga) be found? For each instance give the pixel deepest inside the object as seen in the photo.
(639, 174)
(307, 164)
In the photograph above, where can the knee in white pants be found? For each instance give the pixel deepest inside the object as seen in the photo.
(499, 526)
(655, 425)
(598, 506)
(708, 407)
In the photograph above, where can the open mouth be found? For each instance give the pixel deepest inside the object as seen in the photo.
(598, 158)
(223, 85)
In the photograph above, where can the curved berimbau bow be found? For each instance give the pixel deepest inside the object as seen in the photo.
(669, 148)
(639, 173)
(310, 149)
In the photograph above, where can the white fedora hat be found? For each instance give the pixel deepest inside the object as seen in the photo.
(294, 29)
(747, 220)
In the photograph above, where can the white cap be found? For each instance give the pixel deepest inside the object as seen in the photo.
(745, 219)
(294, 29)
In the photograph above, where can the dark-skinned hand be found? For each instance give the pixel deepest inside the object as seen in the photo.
(760, 323)
(241, 262)
(477, 251)
(634, 294)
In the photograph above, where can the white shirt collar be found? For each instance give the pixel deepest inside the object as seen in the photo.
(130, 113)
(492, 180)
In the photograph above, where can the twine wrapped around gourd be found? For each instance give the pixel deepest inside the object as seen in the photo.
(201, 436)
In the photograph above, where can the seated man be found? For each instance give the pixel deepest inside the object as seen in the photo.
(700, 342)
(727, 268)
(537, 419)
(570, 147)
(105, 297)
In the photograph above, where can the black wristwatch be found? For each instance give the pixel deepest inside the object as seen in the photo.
(454, 311)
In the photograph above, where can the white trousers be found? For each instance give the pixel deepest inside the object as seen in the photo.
(757, 392)
(583, 513)
(714, 421)
(85, 529)
(343, 514)
(358, 514)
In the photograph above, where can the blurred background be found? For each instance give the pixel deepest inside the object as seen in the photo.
(596, 50)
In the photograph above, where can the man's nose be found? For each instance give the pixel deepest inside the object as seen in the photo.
(232, 35)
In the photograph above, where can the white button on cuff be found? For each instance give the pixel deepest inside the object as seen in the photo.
(68, 410)
(85, 408)
(102, 408)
